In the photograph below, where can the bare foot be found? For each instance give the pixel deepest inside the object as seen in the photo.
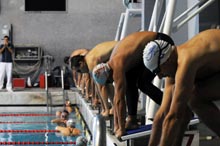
(111, 111)
(95, 102)
(116, 128)
(88, 99)
(119, 133)
(105, 113)
(131, 123)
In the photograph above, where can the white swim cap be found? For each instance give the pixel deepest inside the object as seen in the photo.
(71, 123)
(152, 51)
(100, 73)
(81, 141)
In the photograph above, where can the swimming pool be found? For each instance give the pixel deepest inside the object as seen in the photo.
(34, 128)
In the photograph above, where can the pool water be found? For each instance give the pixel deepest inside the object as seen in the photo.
(23, 121)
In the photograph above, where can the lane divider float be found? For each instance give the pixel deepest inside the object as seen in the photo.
(34, 142)
(22, 115)
(21, 122)
(28, 131)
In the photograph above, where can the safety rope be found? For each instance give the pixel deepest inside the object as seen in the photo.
(17, 115)
(21, 122)
(28, 131)
(34, 142)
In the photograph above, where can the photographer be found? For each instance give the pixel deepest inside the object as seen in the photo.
(6, 49)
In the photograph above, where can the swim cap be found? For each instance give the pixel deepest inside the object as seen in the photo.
(81, 141)
(71, 123)
(156, 53)
(100, 73)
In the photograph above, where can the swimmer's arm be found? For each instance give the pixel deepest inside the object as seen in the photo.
(69, 109)
(75, 132)
(93, 86)
(184, 81)
(60, 128)
(63, 130)
(87, 84)
(75, 77)
(57, 120)
(161, 113)
(119, 97)
(119, 80)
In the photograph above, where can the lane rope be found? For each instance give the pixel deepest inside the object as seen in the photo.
(17, 115)
(28, 131)
(34, 142)
(21, 122)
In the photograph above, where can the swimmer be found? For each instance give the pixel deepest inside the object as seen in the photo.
(58, 114)
(81, 141)
(100, 53)
(126, 68)
(77, 75)
(68, 106)
(62, 119)
(192, 72)
(69, 130)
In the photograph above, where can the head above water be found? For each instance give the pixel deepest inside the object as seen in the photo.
(155, 54)
(71, 123)
(81, 141)
(58, 114)
(65, 115)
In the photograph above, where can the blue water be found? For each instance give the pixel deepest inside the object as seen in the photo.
(45, 123)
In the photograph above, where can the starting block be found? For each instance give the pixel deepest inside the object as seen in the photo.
(191, 138)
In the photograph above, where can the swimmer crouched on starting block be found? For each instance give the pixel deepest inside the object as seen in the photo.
(192, 72)
(85, 63)
(126, 69)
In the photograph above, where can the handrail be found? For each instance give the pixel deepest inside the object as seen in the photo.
(201, 8)
(48, 96)
(62, 85)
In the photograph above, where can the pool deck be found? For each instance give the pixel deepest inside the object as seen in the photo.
(29, 99)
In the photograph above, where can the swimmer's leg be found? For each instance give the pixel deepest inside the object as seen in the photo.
(132, 96)
(202, 104)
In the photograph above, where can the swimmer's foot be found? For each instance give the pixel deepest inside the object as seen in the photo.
(95, 102)
(131, 123)
(111, 111)
(95, 106)
(129, 126)
(119, 133)
(105, 113)
(116, 128)
(88, 99)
